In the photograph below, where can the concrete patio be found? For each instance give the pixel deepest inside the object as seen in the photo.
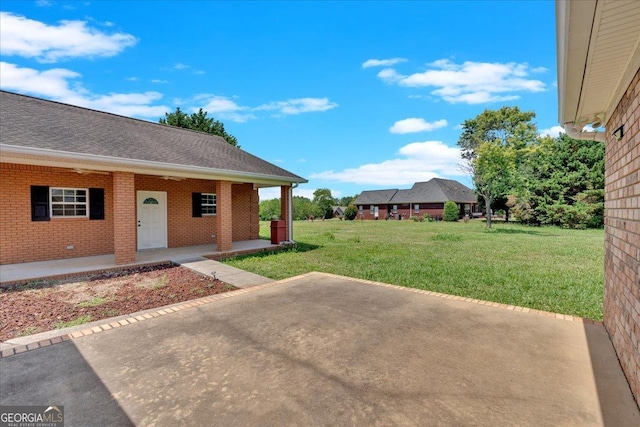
(320, 349)
(62, 267)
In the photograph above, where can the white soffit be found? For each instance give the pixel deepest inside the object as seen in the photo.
(613, 58)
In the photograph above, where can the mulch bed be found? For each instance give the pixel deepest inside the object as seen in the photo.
(40, 306)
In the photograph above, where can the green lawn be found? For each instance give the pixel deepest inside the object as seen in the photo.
(543, 268)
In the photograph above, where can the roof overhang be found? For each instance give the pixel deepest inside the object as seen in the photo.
(598, 52)
(54, 158)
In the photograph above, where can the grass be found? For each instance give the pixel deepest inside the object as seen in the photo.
(93, 302)
(548, 268)
(75, 322)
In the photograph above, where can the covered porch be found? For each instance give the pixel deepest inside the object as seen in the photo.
(12, 273)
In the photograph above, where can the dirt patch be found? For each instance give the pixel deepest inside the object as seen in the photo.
(39, 306)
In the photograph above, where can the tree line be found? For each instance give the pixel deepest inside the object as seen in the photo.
(538, 180)
(321, 206)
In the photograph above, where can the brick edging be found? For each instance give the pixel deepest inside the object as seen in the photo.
(162, 311)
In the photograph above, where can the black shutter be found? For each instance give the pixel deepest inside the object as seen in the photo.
(96, 203)
(196, 204)
(39, 203)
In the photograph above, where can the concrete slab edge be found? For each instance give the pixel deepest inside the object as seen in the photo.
(113, 323)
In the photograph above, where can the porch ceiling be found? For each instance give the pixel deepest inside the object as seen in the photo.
(598, 55)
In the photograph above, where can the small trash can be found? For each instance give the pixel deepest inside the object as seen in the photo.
(278, 231)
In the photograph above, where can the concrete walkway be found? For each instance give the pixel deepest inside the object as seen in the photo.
(61, 267)
(320, 349)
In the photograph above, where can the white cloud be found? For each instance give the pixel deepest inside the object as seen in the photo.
(382, 62)
(180, 66)
(222, 107)
(419, 161)
(470, 82)
(298, 105)
(159, 81)
(60, 84)
(132, 79)
(553, 131)
(28, 38)
(539, 70)
(413, 125)
(43, 3)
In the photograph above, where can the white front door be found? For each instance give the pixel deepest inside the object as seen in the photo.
(152, 219)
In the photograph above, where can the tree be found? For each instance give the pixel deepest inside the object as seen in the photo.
(323, 202)
(302, 207)
(508, 127)
(345, 201)
(198, 121)
(503, 136)
(565, 184)
(268, 209)
(494, 173)
(451, 211)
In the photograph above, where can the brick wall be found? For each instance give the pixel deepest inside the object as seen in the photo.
(622, 235)
(224, 219)
(284, 209)
(124, 217)
(182, 228)
(22, 240)
(246, 218)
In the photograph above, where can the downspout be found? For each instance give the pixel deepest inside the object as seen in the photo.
(574, 133)
(290, 212)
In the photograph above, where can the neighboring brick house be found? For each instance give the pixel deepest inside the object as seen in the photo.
(77, 182)
(599, 84)
(423, 198)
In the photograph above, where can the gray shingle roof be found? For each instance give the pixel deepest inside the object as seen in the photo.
(436, 190)
(37, 123)
(374, 197)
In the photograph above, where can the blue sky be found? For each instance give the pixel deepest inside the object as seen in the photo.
(350, 95)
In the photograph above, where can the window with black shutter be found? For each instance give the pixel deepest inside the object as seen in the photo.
(96, 203)
(39, 203)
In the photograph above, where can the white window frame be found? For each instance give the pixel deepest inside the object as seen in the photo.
(371, 208)
(416, 208)
(204, 205)
(63, 203)
(360, 208)
(395, 208)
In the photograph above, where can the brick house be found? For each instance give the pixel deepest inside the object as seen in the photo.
(423, 198)
(599, 84)
(76, 182)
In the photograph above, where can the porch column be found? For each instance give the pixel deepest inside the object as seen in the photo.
(285, 209)
(124, 217)
(224, 216)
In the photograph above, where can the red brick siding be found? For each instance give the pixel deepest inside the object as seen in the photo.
(284, 208)
(622, 235)
(124, 217)
(182, 228)
(433, 209)
(22, 240)
(246, 218)
(224, 218)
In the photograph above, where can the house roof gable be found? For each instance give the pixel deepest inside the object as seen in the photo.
(48, 126)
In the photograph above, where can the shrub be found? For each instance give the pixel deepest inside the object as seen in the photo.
(428, 218)
(350, 213)
(450, 211)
